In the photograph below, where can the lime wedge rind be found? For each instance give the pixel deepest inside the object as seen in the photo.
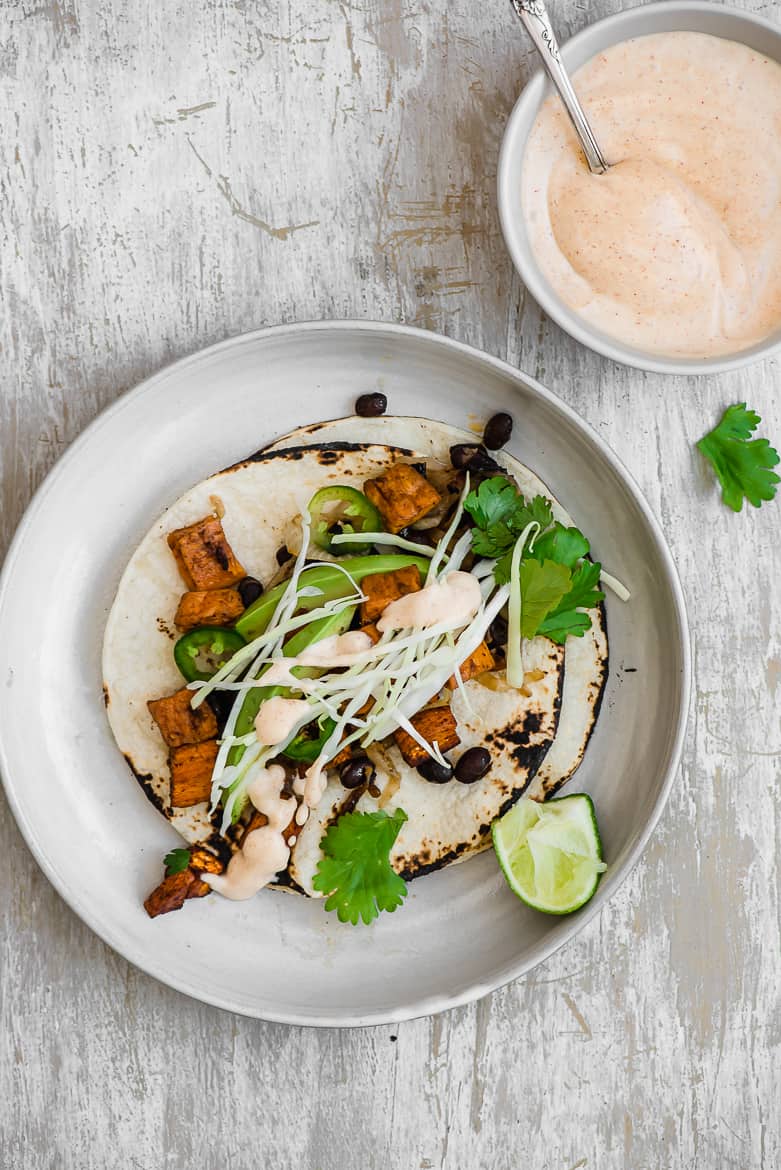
(551, 854)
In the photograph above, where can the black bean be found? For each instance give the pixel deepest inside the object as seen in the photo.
(497, 431)
(482, 461)
(472, 457)
(371, 405)
(461, 453)
(221, 703)
(435, 772)
(473, 765)
(283, 554)
(357, 771)
(497, 631)
(418, 535)
(250, 590)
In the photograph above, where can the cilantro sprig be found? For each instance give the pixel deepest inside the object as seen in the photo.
(742, 464)
(355, 870)
(176, 861)
(557, 581)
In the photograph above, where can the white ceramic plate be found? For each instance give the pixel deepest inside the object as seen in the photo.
(86, 820)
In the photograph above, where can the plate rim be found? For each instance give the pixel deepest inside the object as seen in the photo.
(425, 1005)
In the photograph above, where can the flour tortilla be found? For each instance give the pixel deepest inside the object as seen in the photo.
(259, 499)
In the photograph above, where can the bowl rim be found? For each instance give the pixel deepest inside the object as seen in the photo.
(512, 223)
(444, 1000)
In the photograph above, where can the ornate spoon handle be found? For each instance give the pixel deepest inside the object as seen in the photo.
(534, 16)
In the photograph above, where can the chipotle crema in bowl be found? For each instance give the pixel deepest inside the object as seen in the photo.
(672, 259)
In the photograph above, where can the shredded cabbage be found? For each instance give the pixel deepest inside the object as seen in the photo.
(441, 549)
(387, 538)
(621, 591)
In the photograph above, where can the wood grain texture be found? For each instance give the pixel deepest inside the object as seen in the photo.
(174, 173)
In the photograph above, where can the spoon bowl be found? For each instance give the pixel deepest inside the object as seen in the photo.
(535, 18)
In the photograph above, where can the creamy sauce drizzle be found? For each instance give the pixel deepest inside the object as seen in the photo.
(337, 650)
(265, 851)
(278, 674)
(455, 598)
(677, 248)
(277, 717)
(315, 782)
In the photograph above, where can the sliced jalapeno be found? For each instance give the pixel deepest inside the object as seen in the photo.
(310, 740)
(340, 509)
(200, 653)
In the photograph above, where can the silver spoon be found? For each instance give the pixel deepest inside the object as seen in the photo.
(534, 16)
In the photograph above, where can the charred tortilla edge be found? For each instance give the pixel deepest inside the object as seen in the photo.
(293, 454)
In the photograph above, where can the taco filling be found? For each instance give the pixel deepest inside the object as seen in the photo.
(333, 666)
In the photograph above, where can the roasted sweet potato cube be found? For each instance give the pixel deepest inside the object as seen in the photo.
(401, 495)
(259, 819)
(366, 707)
(479, 661)
(179, 723)
(174, 890)
(436, 725)
(191, 773)
(202, 861)
(292, 830)
(382, 588)
(207, 607)
(342, 756)
(171, 894)
(198, 889)
(204, 557)
(256, 821)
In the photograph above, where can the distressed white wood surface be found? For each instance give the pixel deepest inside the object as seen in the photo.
(176, 172)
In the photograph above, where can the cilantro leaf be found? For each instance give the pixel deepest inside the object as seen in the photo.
(355, 870)
(566, 618)
(559, 627)
(494, 499)
(742, 464)
(543, 585)
(585, 589)
(563, 545)
(539, 511)
(502, 568)
(492, 541)
(500, 514)
(176, 861)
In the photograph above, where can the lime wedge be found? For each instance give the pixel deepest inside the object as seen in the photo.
(551, 854)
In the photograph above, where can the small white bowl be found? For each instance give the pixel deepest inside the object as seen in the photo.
(669, 16)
